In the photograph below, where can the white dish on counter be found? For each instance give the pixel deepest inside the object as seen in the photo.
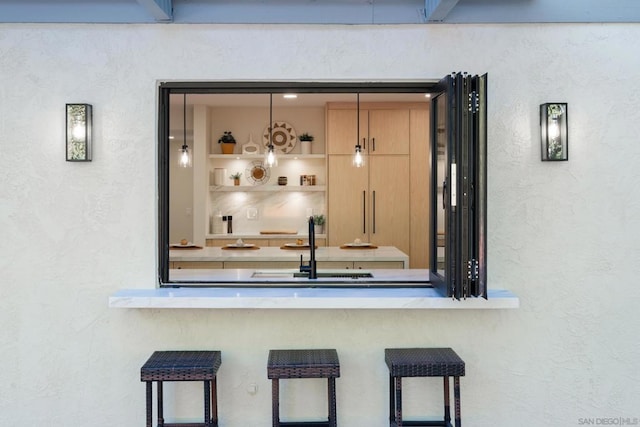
(357, 245)
(178, 245)
(295, 245)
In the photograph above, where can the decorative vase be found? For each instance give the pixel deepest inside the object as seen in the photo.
(305, 147)
(227, 147)
(236, 181)
(282, 180)
(219, 175)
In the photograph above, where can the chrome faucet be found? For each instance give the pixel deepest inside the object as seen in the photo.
(311, 267)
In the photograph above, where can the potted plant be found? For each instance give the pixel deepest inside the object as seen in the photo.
(236, 178)
(305, 143)
(227, 142)
(319, 221)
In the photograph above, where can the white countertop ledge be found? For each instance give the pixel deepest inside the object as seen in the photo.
(305, 298)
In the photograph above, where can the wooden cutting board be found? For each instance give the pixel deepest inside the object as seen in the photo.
(278, 232)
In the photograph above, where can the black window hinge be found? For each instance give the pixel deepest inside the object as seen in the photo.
(474, 102)
(472, 269)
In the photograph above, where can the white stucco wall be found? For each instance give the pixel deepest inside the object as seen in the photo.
(562, 236)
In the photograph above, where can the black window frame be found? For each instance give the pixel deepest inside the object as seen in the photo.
(165, 89)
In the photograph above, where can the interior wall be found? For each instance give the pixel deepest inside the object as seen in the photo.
(562, 236)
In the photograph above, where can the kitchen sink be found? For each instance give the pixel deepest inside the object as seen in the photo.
(346, 274)
(332, 274)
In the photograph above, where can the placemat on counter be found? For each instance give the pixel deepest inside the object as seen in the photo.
(297, 248)
(359, 247)
(241, 248)
(184, 247)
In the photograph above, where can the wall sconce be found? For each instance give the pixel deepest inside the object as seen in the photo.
(554, 136)
(79, 118)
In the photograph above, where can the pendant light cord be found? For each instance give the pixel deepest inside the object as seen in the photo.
(271, 121)
(184, 119)
(358, 118)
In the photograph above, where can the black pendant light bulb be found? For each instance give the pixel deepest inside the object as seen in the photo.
(270, 158)
(185, 156)
(358, 157)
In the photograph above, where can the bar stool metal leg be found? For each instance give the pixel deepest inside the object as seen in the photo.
(275, 405)
(392, 400)
(160, 408)
(456, 394)
(332, 401)
(207, 403)
(149, 403)
(214, 401)
(447, 402)
(398, 408)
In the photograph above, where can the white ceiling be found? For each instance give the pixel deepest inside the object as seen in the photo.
(319, 11)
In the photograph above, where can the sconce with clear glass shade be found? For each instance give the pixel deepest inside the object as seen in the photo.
(79, 118)
(554, 136)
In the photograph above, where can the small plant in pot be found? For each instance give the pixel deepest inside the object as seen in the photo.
(306, 137)
(236, 178)
(227, 142)
(319, 221)
(305, 140)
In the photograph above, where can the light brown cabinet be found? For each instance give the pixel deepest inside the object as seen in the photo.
(369, 203)
(384, 129)
(382, 202)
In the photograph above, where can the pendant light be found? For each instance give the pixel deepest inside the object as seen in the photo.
(358, 157)
(270, 158)
(184, 159)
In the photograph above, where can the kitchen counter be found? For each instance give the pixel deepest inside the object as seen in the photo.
(266, 254)
(238, 288)
(305, 298)
(283, 277)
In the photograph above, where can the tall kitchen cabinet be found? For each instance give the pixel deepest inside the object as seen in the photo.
(373, 203)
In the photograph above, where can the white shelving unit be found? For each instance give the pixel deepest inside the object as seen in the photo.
(274, 206)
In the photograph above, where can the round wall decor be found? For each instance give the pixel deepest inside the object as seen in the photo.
(256, 173)
(283, 136)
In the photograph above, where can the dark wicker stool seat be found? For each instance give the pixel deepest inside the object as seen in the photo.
(287, 364)
(423, 362)
(183, 366)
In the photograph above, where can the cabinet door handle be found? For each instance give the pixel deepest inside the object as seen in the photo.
(373, 144)
(444, 195)
(364, 143)
(364, 211)
(373, 202)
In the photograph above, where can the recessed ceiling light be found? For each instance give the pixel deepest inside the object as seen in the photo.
(289, 96)
(427, 95)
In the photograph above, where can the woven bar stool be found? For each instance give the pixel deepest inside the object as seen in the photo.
(183, 366)
(287, 364)
(423, 362)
